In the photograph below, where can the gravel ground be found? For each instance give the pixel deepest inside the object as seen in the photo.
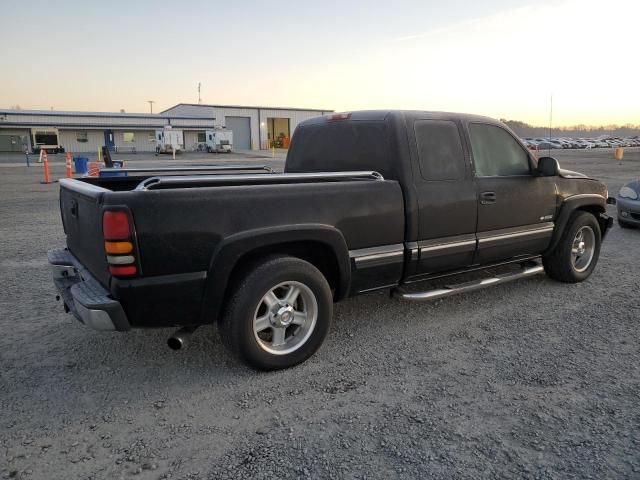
(533, 379)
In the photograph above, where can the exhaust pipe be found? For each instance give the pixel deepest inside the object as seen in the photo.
(179, 339)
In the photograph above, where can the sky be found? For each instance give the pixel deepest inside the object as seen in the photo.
(502, 58)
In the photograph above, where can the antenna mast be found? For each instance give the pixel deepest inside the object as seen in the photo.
(151, 102)
(550, 121)
(199, 98)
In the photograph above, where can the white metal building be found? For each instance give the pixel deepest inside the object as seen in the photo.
(253, 127)
(88, 131)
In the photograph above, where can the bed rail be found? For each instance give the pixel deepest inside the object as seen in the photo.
(187, 181)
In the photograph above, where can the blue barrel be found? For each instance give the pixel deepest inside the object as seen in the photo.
(80, 164)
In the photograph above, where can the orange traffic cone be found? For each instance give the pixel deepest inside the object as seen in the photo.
(618, 153)
(45, 166)
(68, 173)
(94, 169)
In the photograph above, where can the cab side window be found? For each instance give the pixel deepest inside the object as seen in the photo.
(496, 153)
(439, 150)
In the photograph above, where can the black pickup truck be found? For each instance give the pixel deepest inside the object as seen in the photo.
(367, 201)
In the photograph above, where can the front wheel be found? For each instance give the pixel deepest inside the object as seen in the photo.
(576, 254)
(278, 315)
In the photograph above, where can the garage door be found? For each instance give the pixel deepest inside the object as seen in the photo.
(241, 128)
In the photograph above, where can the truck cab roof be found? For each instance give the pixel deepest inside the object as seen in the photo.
(377, 139)
(381, 115)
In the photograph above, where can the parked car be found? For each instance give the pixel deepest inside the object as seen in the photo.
(629, 205)
(548, 145)
(368, 201)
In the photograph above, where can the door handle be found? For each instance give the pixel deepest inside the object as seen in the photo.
(487, 197)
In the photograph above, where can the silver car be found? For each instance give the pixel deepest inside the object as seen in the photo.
(629, 205)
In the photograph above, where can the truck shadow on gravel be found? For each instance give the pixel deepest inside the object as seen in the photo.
(358, 325)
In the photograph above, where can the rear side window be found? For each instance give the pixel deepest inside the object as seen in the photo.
(496, 153)
(439, 150)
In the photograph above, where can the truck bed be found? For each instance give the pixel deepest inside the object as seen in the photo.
(180, 221)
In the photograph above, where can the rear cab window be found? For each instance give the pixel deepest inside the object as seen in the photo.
(440, 152)
(496, 153)
(342, 146)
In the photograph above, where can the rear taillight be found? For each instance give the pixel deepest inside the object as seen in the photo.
(118, 247)
(115, 225)
(118, 233)
(123, 271)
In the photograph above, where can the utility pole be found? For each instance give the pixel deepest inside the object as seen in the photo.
(151, 102)
(550, 114)
(550, 121)
(199, 98)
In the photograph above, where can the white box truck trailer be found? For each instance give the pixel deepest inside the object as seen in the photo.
(47, 139)
(169, 140)
(219, 140)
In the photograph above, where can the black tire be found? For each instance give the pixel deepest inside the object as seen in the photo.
(237, 322)
(559, 264)
(624, 224)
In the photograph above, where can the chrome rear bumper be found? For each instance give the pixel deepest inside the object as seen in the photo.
(83, 295)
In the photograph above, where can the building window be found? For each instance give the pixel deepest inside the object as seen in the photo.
(128, 137)
(202, 137)
(152, 138)
(82, 137)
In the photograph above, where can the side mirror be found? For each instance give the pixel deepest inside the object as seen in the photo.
(548, 167)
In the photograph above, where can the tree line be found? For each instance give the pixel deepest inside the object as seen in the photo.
(579, 131)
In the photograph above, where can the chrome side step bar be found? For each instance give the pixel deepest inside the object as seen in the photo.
(526, 271)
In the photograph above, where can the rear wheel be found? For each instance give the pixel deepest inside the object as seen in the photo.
(278, 315)
(576, 254)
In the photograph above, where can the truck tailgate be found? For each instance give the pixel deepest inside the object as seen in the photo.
(81, 208)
